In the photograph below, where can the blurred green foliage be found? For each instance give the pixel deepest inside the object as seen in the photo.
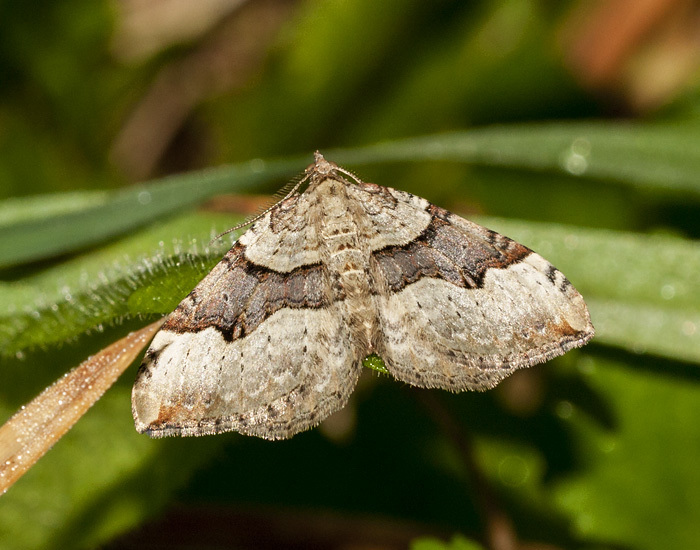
(446, 99)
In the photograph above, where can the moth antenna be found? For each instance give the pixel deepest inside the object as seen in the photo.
(292, 186)
(348, 173)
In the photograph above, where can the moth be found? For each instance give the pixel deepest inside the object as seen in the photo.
(272, 340)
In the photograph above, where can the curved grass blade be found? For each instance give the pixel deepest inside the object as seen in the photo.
(35, 428)
(661, 157)
(139, 275)
(29, 240)
(645, 156)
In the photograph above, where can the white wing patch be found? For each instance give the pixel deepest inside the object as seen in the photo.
(439, 335)
(268, 384)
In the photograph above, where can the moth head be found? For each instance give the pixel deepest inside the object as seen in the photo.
(322, 168)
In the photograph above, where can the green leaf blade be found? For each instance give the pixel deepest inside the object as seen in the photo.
(69, 231)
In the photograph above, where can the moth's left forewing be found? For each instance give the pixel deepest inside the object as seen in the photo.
(535, 281)
(462, 307)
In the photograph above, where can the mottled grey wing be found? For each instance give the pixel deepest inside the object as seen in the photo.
(461, 307)
(251, 349)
